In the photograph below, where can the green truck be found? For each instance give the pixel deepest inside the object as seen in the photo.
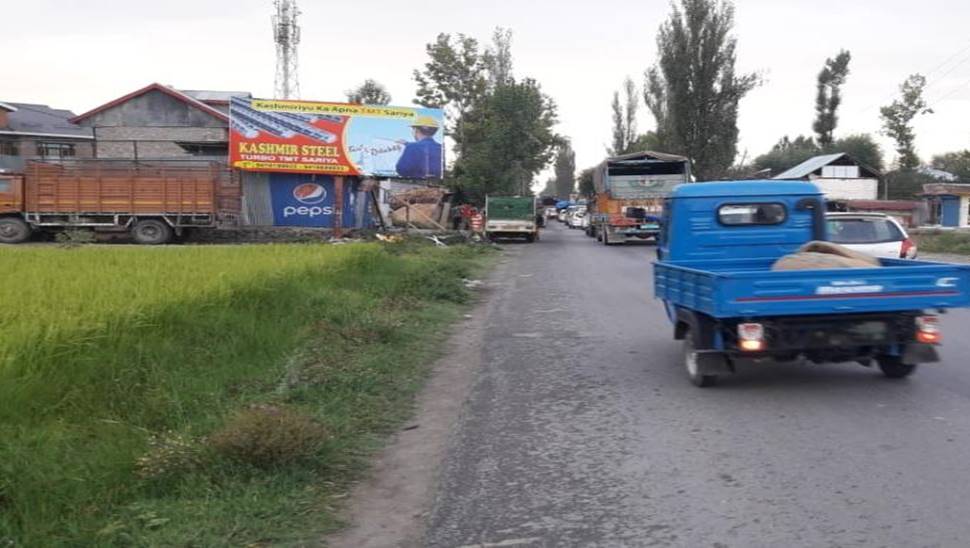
(511, 217)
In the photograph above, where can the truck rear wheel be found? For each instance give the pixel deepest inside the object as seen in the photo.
(530, 238)
(692, 364)
(894, 368)
(151, 232)
(13, 230)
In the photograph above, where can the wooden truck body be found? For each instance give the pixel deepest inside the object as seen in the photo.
(153, 203)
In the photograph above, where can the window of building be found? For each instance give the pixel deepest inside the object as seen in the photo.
(9, 148)
(55, 150)
(5, 185)
(203, 148)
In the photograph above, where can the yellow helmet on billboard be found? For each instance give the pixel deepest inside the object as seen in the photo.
(425, 121)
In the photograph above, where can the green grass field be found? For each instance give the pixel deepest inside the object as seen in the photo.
(206, 396)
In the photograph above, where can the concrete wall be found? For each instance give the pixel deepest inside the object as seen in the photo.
(148, 127)
(154, 142)
(848, 189)
(153, 109)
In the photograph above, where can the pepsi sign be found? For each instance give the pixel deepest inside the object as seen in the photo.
(310, 193)
(298, 202)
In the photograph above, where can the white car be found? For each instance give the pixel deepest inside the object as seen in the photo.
(576, 218)
(875, 234)
(551, 213)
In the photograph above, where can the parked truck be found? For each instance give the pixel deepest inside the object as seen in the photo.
(629, 195)
(511, 217)
(715, 276)
(152, 203)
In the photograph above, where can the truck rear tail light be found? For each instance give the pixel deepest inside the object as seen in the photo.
(751, 337)
(908, 250)
(928, 330)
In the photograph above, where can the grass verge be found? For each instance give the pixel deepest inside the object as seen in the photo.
(207, 396)
(944, 242)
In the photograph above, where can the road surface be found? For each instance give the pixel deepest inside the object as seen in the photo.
(581, 429)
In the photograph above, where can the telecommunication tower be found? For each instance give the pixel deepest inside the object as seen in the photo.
(286, 33)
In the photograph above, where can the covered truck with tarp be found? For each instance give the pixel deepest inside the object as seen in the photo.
(630, 190)
(511, 217)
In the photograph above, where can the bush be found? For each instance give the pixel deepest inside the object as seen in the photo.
(269, 436)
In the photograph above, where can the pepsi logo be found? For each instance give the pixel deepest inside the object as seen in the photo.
(310, 193)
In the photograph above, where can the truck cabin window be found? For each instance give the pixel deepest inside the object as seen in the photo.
(751, 214)
(5, 185)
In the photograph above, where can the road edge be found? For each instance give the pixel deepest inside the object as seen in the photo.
(391, 505)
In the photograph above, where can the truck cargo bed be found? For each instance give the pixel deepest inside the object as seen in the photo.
(749, 288)
(92, 188)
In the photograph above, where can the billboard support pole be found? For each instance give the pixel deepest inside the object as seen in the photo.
(338, 185)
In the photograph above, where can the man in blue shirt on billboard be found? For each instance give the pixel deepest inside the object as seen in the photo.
(422, 158)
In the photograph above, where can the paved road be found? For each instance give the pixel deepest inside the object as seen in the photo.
(582, 430)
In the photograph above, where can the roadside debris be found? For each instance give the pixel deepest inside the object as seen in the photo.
(437, 242)
(472, 284)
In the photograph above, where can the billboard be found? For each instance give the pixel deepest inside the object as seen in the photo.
(301, 200)
(336, 138)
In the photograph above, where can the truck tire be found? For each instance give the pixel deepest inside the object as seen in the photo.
(606, 238)
(13, 230)
(692, 366)
(151, 232)
(894, 368)
(529, 238)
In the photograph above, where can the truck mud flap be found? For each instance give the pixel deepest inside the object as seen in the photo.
(712, 362)
(920, 353)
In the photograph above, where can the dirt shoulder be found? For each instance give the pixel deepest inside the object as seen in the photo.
(390, 507)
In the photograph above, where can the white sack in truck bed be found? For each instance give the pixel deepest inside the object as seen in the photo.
(824, 255)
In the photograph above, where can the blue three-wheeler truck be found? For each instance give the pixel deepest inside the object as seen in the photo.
(714, 274)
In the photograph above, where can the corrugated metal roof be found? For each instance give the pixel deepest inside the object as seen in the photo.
(809, 166)
(937, 189)
(44, 120)
(178, 95)
(206, 95)
(938, 174)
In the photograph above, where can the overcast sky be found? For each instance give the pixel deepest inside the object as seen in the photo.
(78, 55)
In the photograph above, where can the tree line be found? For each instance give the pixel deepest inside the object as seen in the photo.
(693, 92)
(503, 125)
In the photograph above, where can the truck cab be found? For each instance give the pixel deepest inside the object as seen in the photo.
(718, 245)
(11, 194)
(13, 228)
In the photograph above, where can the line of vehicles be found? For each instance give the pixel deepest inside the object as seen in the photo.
(875, 234)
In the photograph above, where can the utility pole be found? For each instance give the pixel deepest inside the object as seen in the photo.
(286, 33)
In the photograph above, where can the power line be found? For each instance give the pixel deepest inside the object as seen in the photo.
(947, 73)
(927, 75)
(950, 94)
(948, 59)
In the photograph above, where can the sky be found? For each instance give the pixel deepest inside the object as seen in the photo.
(79, 55)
